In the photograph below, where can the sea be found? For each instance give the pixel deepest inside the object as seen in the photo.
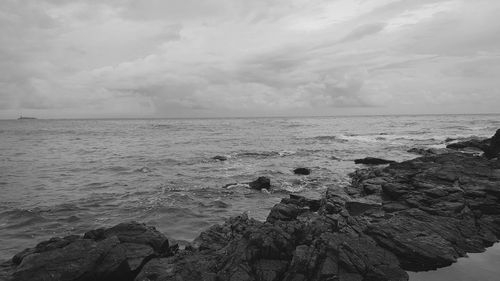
(62, 177)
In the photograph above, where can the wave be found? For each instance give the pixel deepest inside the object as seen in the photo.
(16, 218)
(264, 154)
(328, 138)
(144, 170)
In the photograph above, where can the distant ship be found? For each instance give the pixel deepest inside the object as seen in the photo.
(24, 117)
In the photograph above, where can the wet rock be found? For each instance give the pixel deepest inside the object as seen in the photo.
(132, 232)
(260, 183)
(478, 143)
(220, 158)
(372, 161)
(493, 150)
(116, 253)
(302, 171)
(284, 212)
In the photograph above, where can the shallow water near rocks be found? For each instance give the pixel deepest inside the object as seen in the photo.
(61, 177)
(477, 266)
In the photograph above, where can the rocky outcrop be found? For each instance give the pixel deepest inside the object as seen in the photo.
(372, 161)
(475, 142)
(417, 215)
(116, 253)
(490, 146)
(493, 150)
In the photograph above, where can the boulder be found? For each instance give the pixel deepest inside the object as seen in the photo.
(373, 161)
(302, 171)
(260, 183)
(116, 253)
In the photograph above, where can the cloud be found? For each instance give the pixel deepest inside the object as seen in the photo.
(187, 58)
(363, 31)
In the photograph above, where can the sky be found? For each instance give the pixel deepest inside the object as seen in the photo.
(223, 58)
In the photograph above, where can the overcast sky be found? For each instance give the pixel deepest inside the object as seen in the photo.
(194, 58)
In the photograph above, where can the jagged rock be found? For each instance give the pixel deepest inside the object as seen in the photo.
(302, 171)
(493, 150)
(116, 253)
(372, 161)
(490, 146)
(260, 183)
(478, 143)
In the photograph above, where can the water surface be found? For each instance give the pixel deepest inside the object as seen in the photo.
(61, 177)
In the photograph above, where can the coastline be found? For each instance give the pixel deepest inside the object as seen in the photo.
(419, 214)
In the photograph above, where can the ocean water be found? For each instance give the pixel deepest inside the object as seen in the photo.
(61, 177)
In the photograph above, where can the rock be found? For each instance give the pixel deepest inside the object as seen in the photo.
(260, 183)
(490, 146)
(356, 208)
(302, 171)
(132, 232)
(373, 161)
(478, 143)
(116, 253)
(493, 150)
(220, 158)
(283, 212)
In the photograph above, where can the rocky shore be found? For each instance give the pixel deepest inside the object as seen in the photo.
(415, 215)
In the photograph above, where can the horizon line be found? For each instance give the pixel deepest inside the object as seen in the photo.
(251, 117)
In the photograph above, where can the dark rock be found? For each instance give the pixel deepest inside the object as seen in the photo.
(260, 183)
(220, 158)
(373, 161)
(478, 143)
(132, 232)
(116, 253)
(302, 171)
(356, 208)
(490, 146)
(283, 212)
(493, 150)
